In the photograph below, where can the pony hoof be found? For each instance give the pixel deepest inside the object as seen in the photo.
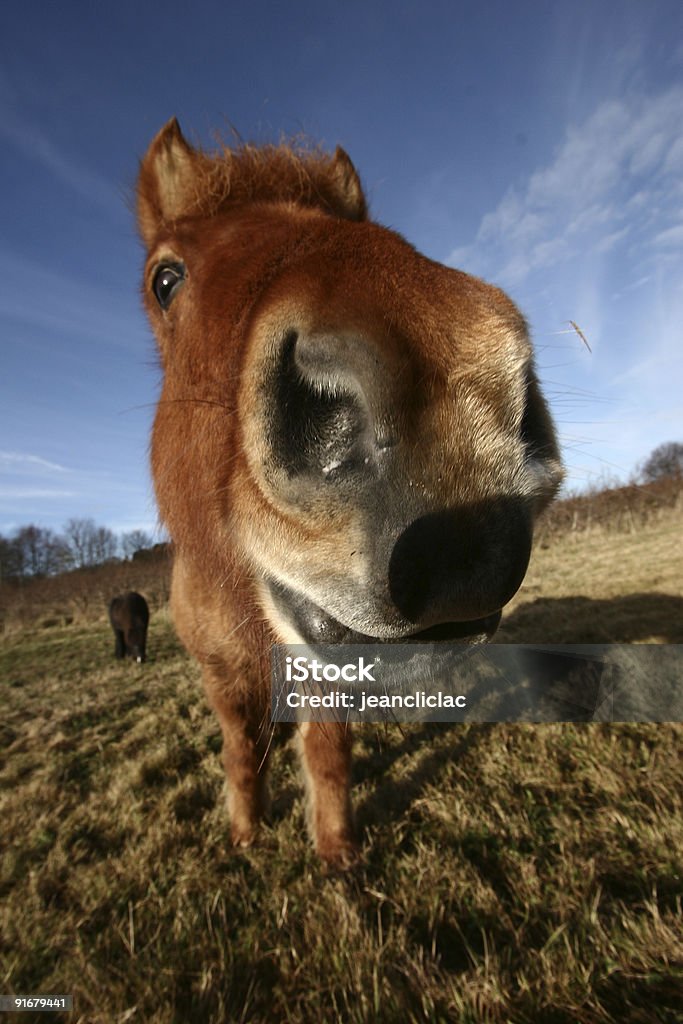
(338, 854)
(242, 837)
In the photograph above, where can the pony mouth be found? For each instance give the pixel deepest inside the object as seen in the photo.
(316, 626)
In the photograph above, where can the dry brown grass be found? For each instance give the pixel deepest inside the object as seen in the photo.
(83, 595)
(603, 585)
(626, 509)
(510, 874)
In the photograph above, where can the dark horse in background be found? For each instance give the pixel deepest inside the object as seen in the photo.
(129, 617)
(351, 443)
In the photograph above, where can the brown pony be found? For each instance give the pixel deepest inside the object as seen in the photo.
(351, 443)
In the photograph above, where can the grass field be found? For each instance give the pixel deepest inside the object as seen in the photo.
(509, 873)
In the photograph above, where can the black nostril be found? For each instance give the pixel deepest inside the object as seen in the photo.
(318, 419)
(460, 564)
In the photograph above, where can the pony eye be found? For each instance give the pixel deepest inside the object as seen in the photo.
(166, 281)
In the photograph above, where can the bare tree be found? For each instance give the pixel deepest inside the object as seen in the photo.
(31, 543)
(103, 545)
(135, 540)
(33, 551)
(665, 460)
(37, 551)
(78, 533)
(89, 543)
(10, 560)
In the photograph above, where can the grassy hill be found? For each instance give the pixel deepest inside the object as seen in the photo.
(509, 874)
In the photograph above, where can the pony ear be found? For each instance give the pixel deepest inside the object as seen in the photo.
(165, 180)
(346, 183)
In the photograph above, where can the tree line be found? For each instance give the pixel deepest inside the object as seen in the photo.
(38, 551)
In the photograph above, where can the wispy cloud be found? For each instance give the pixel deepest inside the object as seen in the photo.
(670, 237)
(43, 296)
(28, 477)
(616, 175)
(20, 132)
(596, 235)
(14, 493)
(40, 490)
(19, 461)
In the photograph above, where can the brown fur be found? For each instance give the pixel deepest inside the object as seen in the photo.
(340, 417)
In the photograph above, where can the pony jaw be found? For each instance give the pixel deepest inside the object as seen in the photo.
(300, 620)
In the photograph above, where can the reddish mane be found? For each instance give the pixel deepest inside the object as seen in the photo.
(292, 172)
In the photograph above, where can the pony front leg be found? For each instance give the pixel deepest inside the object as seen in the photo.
(326, 752)
(246, 733)
(119, 644)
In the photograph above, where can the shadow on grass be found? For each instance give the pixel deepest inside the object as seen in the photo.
(630, 619)
(391, 798)
(634, 618)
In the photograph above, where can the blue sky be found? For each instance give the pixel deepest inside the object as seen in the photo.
(536, 144)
